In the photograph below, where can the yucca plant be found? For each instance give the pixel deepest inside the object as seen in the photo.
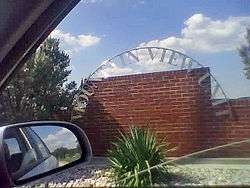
(133, 153)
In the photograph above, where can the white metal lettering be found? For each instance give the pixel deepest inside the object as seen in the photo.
(223, 112)
(122, 60)
(219, 101)
(190, 63)
(202, 78)
(83, 96)
(171, 59)
(87, 92)
(163, 55)
(134, 56)
(215, 90)
(183, 62)
(151, 53)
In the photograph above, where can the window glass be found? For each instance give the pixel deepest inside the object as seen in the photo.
(37, 144)
(20, 158)
(179, 69)
(12, 145)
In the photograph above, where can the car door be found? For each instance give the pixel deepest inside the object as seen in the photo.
(27, 154)
(19, 154)
(45, 160)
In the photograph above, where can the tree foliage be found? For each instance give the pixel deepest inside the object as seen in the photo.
(62, 153)
(244, 53)
(40, 88)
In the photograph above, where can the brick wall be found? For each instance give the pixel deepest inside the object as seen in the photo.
(171, 104)
(222, 130)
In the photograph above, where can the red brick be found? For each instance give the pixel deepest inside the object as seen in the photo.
(172, 104)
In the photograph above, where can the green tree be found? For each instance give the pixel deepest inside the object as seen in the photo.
(244, 53)
(61, 152)
(41, 87)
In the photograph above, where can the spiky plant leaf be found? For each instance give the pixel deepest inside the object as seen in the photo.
(134, 153)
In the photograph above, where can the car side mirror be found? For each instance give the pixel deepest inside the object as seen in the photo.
(34, 150)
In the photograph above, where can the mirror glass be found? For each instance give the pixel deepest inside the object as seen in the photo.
(33, 150)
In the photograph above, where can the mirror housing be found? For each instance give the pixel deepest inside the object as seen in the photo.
(6, 180)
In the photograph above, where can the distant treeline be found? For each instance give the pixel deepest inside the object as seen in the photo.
(63, 152)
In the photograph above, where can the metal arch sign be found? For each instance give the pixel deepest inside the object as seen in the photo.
(153, 56)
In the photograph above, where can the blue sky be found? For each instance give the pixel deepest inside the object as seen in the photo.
(209, 31)
(55, 137)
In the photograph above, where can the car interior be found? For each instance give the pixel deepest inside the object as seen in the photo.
(14, 149)
(24, 151)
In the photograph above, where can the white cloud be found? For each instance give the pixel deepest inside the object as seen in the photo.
(88, 40)
(200, 34)
(204, 34)
(71, 43)
(115, 70)
(62, 138)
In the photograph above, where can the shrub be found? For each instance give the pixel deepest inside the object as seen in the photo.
(136, 152)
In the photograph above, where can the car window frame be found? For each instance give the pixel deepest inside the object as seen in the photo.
(33, 143)
(9, 145)
(32, 38)
(24, 138)
(20, 139)
(24, 147)
(81, 136)
(27, 169)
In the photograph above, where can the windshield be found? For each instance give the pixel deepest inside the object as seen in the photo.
(161, 89)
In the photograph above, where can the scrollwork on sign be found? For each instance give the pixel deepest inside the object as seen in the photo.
(81, 100)
(163, 59)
